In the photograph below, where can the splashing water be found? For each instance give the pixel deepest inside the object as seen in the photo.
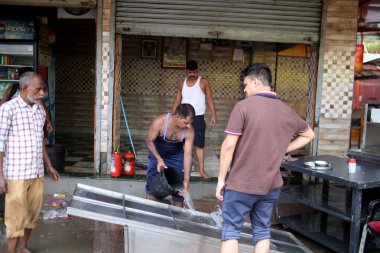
(188, 201)
(217, 216)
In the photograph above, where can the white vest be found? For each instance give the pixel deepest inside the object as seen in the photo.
(194, 96)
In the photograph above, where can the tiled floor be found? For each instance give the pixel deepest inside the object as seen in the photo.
(80, 154)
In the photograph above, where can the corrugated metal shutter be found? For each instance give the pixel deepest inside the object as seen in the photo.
(294, 21)
(52, 3)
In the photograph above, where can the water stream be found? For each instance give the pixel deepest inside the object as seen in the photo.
(188, 201)
(217, 216)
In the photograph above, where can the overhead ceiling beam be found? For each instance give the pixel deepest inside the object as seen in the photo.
(52, 3)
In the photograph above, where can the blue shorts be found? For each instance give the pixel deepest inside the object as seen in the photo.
(235, 208)
(175, 162)
(199, 126)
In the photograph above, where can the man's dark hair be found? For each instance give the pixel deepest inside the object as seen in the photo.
(191, 65)
(260, 71)
(185, 110)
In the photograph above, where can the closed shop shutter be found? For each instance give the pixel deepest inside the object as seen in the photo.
(288, 21)
(52, 3)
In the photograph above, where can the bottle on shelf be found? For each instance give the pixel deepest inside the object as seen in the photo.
(16, 74)
(9, 74)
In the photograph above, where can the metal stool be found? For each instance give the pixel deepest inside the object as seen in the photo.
(372, 225)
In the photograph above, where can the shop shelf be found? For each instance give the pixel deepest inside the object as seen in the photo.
(311, 195)
(6, 80)
(310, 226)
(15, 66)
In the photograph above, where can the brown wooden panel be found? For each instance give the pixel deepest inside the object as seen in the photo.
(337, 151)
(342, 23)
(107, 4)
(341, 42)
(333, 144)
(348, 3)
(342, 35)
(339, 47)
(337, 135)
(332, 123)
(346, 9)
(106, 13)
(341, 14)
(334, 136)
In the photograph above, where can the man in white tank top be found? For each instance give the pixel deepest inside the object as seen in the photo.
(196, 90)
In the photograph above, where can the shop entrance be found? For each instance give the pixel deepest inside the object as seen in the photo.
(149, 86)
(75, 92)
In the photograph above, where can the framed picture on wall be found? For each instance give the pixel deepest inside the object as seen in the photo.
(238, 55)
(149, 49)
(174, 52)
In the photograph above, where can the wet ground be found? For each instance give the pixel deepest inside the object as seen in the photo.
(73, 234)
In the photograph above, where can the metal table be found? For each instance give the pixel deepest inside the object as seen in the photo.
(151, 226)
(340, 197)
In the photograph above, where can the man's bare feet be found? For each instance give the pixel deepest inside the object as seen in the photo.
(23, 250)
(204, 174)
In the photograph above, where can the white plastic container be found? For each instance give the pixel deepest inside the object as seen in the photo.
(352, 165)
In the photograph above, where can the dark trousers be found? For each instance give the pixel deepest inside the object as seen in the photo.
(2, 204)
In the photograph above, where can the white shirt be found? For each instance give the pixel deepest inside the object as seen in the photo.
(21, 139)
(194, 96)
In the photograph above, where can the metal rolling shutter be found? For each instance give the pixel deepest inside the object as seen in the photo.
(52, 3)
(289, 21)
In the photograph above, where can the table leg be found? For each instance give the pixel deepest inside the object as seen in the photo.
(126, 239)
(325, 200)
(355, 223)
(347, 226)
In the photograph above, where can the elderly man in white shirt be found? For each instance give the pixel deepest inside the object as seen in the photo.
(22, 158)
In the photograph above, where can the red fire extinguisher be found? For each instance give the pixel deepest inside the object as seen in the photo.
(129, 163)
(358, 67)
(116, 164)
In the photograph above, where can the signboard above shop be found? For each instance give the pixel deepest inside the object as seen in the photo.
(16, 29)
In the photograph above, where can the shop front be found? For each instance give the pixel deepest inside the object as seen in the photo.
(61, 47)
(224, 37)
(308, 45)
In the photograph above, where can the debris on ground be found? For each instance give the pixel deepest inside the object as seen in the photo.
(58, 195)
(55, 207)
